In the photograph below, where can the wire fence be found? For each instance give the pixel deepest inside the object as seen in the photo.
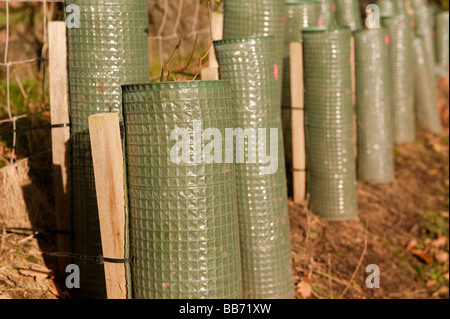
(7, 63)
(169, 20)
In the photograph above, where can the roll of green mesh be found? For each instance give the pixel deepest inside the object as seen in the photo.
(415, 4)
(348, 14)
(388, 7)
(327, 12)
(426, 102)
(373, 107)
(108, 49)
(183, 208)
(257, 18)
(261, 188)
(442, 43)
(299, 14)
(424, 29)
(402, 77)
(329, 124)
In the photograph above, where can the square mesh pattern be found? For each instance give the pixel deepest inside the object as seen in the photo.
(373, 108)
(262, 199)
(257, 18)
(299, 14)
(402, 77)
(330, 149)
(183, 217)
(109, 49)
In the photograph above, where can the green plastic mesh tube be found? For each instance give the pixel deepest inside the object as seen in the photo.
(327, 12)
(442, 43)
(257, 18)
(424, 29)
(299, 14)
(373, 106)
(183, 217)
(262, 198)
(426, 102)
(348, 14)
(417, 3)
(329, 125)
(388, 7)
(402, 77)
(108, 49)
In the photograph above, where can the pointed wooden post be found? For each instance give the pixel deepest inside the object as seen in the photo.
(212, 72)
(59, 114)
(109, 180)
(298, 122)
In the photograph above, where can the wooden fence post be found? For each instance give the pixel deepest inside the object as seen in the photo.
(212, 72)
(59, 113)
(298, 122)
(108, 162)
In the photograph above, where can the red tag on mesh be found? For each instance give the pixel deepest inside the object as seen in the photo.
(334, 7)
(387, 40)
(276, 71)
(319, 22)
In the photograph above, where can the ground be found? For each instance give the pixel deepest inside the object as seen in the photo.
(402, 227)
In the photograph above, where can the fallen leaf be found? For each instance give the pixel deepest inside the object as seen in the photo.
(444, 290)
(305, 289)
(440, 242)
(445, 214)
(431, 283)
(53, 289)
(413, 243)
(441, 256)
(446, 276)
(422, 256)
(37, 274)
(437, 148)
(433, 172)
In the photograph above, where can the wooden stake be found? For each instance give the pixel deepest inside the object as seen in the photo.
(298, 122)
(353, 70)
(108, 170)
(212, 72)
(59, 113)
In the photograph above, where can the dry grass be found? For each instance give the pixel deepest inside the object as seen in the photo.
(22, 202)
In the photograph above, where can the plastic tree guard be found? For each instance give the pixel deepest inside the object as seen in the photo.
(262, 198)
(402, 77)
(183, 217)
(424, 29)
(373, 106)
(299, 14)
(388, 7)
(442, 43)
(425, 92)
(348, 14)
(108, 49)
(329, 127)
(327, 13)
(257, 18)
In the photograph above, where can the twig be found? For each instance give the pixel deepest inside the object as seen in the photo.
(164, 68)
(210, 44)
(342, 282)
(3, 238)
(26, 238)
(329, 274)
(359, 263)
(190, 59)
